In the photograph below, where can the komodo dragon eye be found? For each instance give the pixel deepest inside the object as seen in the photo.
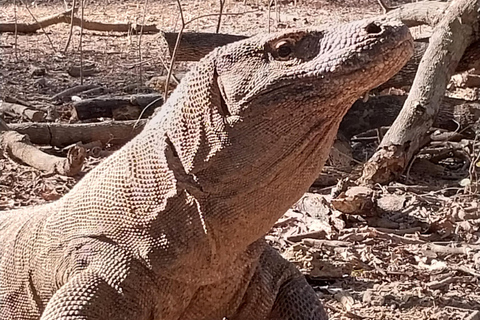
(283, 49)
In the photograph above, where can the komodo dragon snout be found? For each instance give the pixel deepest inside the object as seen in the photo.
(171, 226)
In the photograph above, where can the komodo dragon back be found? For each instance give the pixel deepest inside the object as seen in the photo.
(171, 226)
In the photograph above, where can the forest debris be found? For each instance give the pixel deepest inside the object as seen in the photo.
(318, 234)
(14, 109)
(37, 71)
(67, 93)
(391, 202)
(320, 243)
(356, 200)
(345, 299)
(118, 107)
(452, 35)
(400, 232)
(63, 134)
(87, 70)
(19, 146)
(315, 205)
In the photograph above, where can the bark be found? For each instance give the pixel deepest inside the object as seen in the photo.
(25, 112)
(418, 13)
(20, 147)
(119, 108)
(68, 93)
(452, 35)
(62, 134)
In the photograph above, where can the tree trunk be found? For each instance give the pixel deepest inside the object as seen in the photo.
(452, 35)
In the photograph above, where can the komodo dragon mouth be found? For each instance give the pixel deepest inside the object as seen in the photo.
(326, 60)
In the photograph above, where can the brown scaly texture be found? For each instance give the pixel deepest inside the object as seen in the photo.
(171, 226)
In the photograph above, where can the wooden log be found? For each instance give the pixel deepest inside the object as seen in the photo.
(62, 134)
(452, 35)
(194, 46)
(19, 147)
(118, 107)
(14, 109)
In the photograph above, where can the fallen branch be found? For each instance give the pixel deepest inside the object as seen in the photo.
(62, 134)
(418, 13)
(117, 107)
(18, 110)
(33, 27)
(447, 44)
(66, 17)
(68, 93)
(20, 147)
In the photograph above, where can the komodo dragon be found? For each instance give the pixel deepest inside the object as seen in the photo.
(171, 226)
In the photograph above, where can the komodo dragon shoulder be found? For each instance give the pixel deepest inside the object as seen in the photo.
(171, 226)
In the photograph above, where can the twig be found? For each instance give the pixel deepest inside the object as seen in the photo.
(71, 26)
(222, 3)
(36, 21)
(385, 7)
(268, 15)
(174, 53)
(140, 43)
(81, 43)
(320, 243)
(16, 28)
(400, 231)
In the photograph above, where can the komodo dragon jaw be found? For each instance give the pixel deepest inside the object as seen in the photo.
(170, 226)
(271, 113)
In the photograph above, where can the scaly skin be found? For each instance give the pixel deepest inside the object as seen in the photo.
(171, 226)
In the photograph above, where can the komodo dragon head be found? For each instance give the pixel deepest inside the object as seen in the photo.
(254, 121)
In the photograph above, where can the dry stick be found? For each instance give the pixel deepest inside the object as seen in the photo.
(268, 15)
(71, 26)
(16, 28)
(140, 43)
(80, 44)
(450, 38)
(385, 7)
(37, 22)
(472, 170)
(174, 53)
(222, 3)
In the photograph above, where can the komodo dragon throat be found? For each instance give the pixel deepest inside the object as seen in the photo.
(171, 226)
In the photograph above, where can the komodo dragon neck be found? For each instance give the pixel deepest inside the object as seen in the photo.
(237, 143)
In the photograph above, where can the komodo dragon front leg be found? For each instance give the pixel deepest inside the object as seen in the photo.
(278, 291)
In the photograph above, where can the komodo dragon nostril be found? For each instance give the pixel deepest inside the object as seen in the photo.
(373, 28)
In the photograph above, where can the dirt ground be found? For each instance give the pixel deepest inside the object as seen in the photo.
(414, 254)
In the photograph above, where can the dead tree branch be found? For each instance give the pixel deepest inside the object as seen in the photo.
(452, 35)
